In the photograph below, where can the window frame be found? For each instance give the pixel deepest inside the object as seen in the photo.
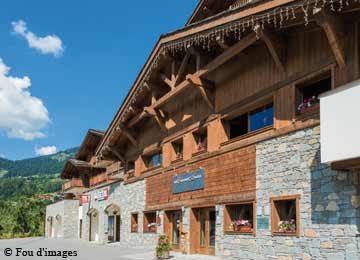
(146, 229)
(196, 134)
(274, 218)
(134, 221)
(175, 142)
(149, 158)
(228, 220)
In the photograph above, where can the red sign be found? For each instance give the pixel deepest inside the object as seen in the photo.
(102, 194)
(84, 199)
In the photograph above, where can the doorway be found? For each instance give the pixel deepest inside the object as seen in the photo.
(203, 227)
(113, 213)
(173, 227)
(94, 225)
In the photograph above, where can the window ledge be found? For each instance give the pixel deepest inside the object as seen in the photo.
(286, 234)
(310, 111)
(199, 152)
(262, 130)
(228, 232)
(149, 232)
(134, 231)
(152, 169)
(177, 160)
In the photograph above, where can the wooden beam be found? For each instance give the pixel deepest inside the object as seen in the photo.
(346, 165)
(182, 68)
(211, 66)
(207, 92)
(127, 133)
(333, 27)
(158, 115)
(167, 81)
(222, 44)
(173, 72)
(197, 81)
(117, 154)
(276, 47)
(194, 52)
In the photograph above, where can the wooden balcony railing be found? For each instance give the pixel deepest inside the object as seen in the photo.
(73, 183)
(98, 179)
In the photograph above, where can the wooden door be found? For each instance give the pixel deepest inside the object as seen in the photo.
(117, 228)
(175, 228)
(205, 226)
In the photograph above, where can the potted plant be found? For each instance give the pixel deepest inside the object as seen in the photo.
(163, 247)
(152, 227)
(307, 103)
(287, 226)
(242, 225)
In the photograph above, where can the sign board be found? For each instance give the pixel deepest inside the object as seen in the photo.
(84, 199)
(102, 194)
(188, 182)
(262, 222)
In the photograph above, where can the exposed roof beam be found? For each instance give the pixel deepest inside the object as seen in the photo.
(117, 154)
(158, 115)
(333, 28)
(127, 133)
(276, 47)
(211, 66)
(182, 68)
(206, 90)
(167, 81)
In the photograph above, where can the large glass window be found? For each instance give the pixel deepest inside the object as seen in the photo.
(251, 121)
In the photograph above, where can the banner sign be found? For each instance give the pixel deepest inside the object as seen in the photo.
(188, 182)
(84, 199)
(102, 194)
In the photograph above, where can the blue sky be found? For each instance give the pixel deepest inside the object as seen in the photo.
(80, 74)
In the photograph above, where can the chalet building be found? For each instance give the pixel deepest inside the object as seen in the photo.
(238, 138)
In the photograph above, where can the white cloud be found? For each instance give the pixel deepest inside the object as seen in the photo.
(21, 114)
(2, 155)
(50, 44)
(46, 150)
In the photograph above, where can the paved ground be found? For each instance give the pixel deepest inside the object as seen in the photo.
(85, 250)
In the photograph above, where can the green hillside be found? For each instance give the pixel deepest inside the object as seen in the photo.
(26, 187)
(38, 166)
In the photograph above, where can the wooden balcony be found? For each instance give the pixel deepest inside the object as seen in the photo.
(73, 184)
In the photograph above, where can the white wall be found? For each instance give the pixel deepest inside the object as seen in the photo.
(340, 123)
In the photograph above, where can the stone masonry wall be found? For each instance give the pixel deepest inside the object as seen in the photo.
(131, 199)
(329, 204)
(67, 226)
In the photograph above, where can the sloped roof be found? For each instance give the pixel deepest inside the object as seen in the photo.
(73, 167)
(89, 144)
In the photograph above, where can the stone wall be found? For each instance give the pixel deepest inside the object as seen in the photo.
(329, 204)
(65, 216)
(131, 199)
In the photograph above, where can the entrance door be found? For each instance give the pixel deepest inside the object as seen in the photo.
(111, 220)
(174, 230)
(117, 229)
(205, 230)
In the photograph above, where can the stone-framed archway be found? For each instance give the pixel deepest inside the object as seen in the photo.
(94, 234)
(114, 222)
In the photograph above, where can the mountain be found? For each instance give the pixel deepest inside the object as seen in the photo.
(50, 165)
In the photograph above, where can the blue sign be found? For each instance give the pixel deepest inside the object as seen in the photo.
(188, 182)
(262, 222)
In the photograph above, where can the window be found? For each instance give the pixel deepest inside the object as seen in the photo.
(307, 94)
(251, 121)
(178, 149)
(130, 167)
(134, 223)
(154, 160)
(150, 222)
(285, 215)
(239, 218)
(200, 137)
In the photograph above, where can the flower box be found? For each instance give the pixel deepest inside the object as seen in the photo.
(244, 228)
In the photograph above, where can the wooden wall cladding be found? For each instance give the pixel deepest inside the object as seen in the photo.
(226, 175)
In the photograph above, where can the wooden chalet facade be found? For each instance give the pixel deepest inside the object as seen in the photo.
(222, 127)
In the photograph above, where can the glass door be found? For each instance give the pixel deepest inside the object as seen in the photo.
(174, 231)
(111, 228)
(207, 225)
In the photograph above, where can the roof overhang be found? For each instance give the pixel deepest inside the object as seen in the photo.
(89, 144)
(74, 167)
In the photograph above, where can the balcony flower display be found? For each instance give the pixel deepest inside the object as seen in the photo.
(307, 103)
(242, 225)
(152, 227)
(287, 226)
(201, 145)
